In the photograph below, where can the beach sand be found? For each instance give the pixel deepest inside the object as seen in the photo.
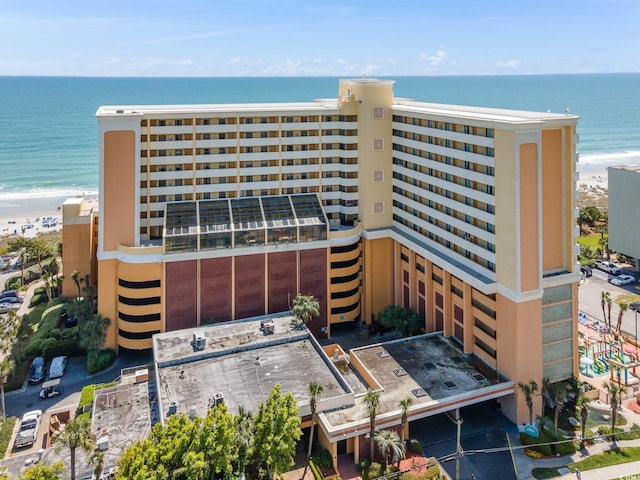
(13, 225)
(589, 179)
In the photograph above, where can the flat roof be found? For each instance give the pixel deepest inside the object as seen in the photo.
(241, 363)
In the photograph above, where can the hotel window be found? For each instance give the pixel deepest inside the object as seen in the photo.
(178, 122)
(206, 121)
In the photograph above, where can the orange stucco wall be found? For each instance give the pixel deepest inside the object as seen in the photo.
(552, 200)
(77, 255)
(519, 350)
(529, 274)
(119, 189)
(378, 276)
(107, 293)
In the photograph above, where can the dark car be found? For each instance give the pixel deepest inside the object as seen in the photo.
(9, 293)
(36, 370)
(586, 269)
(49, 392)
(11, 300)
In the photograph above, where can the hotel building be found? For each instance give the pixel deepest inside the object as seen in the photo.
(211, 213)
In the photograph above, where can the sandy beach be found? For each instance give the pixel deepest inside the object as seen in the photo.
(30, 224)
(590, 179)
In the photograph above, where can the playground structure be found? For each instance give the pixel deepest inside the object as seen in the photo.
(602, 354)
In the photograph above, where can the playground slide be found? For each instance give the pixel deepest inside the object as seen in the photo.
(618, 359)
(598, 367)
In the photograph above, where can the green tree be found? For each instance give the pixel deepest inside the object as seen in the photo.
(315, 391)
(76, 434)
(560, 391)
(39, 251)
(403, 320)
(545, 388)
(603, 229)
(6, 368)
(372, 402)
(605, 299)
(277, 430)
(305, 307)
(97, 460)
(392, 448)
(217, 441)
(75, 276)
(243, 438)
(623, 308)
(583, 403)
(528, 390)
(588, 215)
(613, 391)
(40, 471)
(405, 403)
(93, 332)
(609, 305)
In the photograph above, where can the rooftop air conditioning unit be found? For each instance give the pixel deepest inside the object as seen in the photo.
(103, 443)
(268, 328)
(173, 408)
(199, 341)
(218, 398)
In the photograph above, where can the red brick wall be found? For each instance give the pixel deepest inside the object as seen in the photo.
(313, 281)
(181, 289)
(215, 287)
(250, 278)
(283, 282)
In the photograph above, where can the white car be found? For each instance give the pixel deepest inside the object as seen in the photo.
(622, 280)
(28, 432)
(5, 307)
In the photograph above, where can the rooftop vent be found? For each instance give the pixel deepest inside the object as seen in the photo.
(428, 365)
(449, 385)
(383, 354)
(478, 377)
(267, 327)
(419, 392)
(400, 372)
(199, 341)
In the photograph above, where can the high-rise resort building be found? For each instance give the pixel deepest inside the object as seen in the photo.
(210, 213)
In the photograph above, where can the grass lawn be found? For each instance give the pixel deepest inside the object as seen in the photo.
(606, 459)
(590, 241)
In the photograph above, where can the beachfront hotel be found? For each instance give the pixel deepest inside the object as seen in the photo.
(211, 213)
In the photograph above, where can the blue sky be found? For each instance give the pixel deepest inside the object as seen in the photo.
(307, 37)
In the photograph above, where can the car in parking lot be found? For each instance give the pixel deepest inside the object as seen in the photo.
(28, 431)
(9, 293)
(36, 370)
(586, 269)
(622, 280)
(58, 364)
(6, 307)
(11, 300)
(607, 266)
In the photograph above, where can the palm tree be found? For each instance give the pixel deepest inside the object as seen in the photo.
(6, 368)
(528, 390)
(76, 434)
(545, 388)
(372, 401)
(609, 304)
(404, 417)
(75, 276)
(613, 391)
(603, 302)
(558, 398)
(584, 413)
(244, 437)
(390, 445)
(315, 391)
(305, 307)
(623, 308)
(97, 462)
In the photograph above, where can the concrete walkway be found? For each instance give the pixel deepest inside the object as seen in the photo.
(526, 464)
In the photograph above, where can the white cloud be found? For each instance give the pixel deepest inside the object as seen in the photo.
(509, 64)
(438, 59)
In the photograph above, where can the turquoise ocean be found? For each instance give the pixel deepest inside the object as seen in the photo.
(49, 132)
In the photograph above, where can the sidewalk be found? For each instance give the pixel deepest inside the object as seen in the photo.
(525, 464)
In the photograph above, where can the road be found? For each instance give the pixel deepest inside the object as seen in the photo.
(589, 295)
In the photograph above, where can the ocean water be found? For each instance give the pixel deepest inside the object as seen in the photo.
(49, 139)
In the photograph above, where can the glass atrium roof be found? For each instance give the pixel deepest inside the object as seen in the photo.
(243, 222)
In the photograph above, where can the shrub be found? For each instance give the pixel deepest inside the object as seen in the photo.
(6, 430)
(529, 452)
(39, 345)
(323, 459)
(415, 446)
(544, 438)
(102, 360)
(37, 299)
(316, 473)
(86, 397)
(432, 472)
(565, 448)
(67, 346)
(632, 434)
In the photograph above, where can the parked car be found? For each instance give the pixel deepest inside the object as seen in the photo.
(9, 293)
(586, 269)
(12, 300)
(36, 370)
(622, 280)
(6, 307)
(607, 266)
(58, 364)
(28, 431)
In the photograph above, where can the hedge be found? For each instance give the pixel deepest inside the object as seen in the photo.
(432, 473)
(102, 360)
(542, 443)
(6, 431)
